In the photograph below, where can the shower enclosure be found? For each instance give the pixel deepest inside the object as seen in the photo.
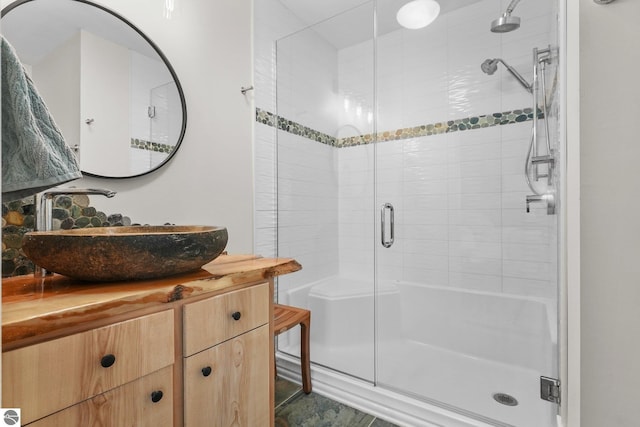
(417, 184)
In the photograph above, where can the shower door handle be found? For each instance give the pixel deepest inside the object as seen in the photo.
(383, 223)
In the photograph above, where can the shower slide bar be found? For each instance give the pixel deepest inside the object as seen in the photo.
(535, 157)
(540, 58)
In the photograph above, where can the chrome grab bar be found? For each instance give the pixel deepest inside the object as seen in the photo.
(383, 220)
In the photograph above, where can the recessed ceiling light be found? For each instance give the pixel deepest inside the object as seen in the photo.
(418, 13)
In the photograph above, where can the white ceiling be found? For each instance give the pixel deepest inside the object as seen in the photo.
(347, 22)
(313, 11)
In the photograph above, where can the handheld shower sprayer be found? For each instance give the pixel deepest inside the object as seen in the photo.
(506, 22)
(490, 66)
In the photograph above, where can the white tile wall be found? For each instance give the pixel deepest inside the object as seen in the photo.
(307, 208)
(356, 211)
(272, 22)
(459, 197)
(306, 89)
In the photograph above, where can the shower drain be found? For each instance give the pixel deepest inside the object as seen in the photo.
(505, 399)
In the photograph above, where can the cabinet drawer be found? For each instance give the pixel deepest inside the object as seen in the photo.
(53, 375)
(214, 320)
(144, 402)
(229, 384)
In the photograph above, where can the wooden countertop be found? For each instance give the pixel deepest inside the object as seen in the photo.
(34, 307)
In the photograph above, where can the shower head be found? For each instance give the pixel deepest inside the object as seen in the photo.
(489, 66)
(506, 22)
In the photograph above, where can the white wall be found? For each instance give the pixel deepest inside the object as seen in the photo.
(210, 179)
(57, 78)
(104, 99)
(610, 230)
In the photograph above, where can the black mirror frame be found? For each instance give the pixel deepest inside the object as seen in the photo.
(183, 102)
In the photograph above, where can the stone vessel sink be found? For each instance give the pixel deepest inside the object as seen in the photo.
(125, 253)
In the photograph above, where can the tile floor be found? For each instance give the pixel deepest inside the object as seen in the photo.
(296, 409)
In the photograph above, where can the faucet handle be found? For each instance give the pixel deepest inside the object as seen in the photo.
(551, 204)
(549, 198)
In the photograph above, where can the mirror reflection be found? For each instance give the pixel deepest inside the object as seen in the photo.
(111, 91)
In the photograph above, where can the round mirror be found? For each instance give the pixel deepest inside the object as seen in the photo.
(112, 92)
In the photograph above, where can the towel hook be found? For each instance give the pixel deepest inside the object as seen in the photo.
(244, 90)
(88, 121)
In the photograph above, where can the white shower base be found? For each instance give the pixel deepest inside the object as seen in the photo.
(441, 365)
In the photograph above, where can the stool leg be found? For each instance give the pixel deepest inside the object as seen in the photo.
(305, 359)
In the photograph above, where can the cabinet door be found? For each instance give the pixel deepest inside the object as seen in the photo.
(229, 385)
(53, 375)
(146, 402)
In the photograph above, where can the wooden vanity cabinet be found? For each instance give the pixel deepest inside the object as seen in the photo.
(227, 364)
(124, 373)
(193, 350)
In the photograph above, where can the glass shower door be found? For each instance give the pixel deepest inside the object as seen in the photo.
(325, 178)
(466, 278)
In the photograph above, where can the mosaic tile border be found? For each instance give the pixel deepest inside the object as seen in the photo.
(270, 119)
(467, 123)
(141, 144)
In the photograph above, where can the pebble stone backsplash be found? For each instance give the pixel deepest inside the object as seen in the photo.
(68, 212)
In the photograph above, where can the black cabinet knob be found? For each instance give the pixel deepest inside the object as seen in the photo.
(206, 371)
(236, 315)
(156, 396)
(107, 360)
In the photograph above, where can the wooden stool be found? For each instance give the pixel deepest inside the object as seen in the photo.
(286, 317)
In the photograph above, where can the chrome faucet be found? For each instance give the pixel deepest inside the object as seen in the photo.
(549, 198)
(43, 210)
